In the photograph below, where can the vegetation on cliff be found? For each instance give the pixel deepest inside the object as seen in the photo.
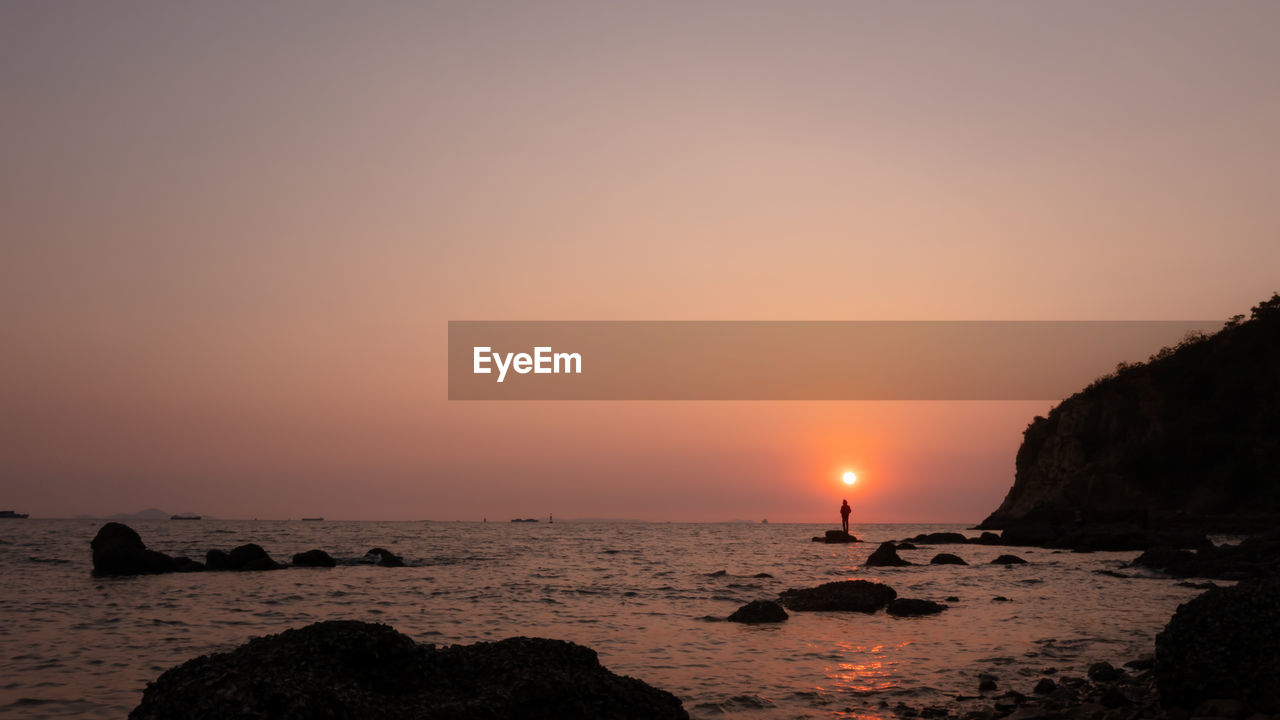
(1190, 437)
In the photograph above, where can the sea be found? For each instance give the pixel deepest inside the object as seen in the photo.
(643, 595)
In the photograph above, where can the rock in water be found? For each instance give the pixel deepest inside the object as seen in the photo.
(385, 558)
(947, 559)
(759, 611)
(1179, 563)
(252, 557)
(1104, 672)
(911, 607)
(836, 536)
(1223, 644)
(217, 560)
(886, 556)
(937, 538)
(350, 669)
(118, 550)
(851, 595)
(1008, 560)
(1256, 556)
(245, 557)
(313, 558)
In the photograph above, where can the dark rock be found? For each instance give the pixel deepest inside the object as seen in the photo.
(217, 560)
(1113, 698)
(762, 575)
(848, 595)
(1223, 644)
(836, 537)
(947, 559)
(1104, 672)
(759, 611)
(251, 556)
(1166, 559)
(939, 538)
(1198, 585)
(906, 546)
(1008, 560)
(952, 598)
(1145, 662)
(385, 558)
(1256, 556)
(248, 557)
(911, 607)
(186, 564)
(1122, 537)
(989, 538)
(348, 669)
(986, 682)
(1045, 686)
(313, 558)
(886, 556)
(1221, 708)
(261, 564)
(1000, 598)
(118, 550)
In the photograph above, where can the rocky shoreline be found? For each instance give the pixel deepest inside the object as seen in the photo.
(119, 550)
(1215, 658)
(350, 669)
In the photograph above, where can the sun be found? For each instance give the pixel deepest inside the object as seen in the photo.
(849, 477)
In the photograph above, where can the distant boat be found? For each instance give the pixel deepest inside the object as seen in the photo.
(525, 520)
(185, 516)
(312, 519)
(11, 515)
(764, 521)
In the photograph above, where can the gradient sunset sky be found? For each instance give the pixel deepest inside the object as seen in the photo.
(233, 234)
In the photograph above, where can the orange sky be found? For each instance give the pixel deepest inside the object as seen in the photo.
(232, 236)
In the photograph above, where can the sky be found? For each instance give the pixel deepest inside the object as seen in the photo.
(232, 236)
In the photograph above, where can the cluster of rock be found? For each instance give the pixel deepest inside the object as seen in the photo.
(861, 596)
(119, 550)
(1215, 658)
(1223, 644)
(955, 538)
(1107, 537)
(1116, 537)
(886, 555)
(1256, 556)
(836, 537)
(349, 669)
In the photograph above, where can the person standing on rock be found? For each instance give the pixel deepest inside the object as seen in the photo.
(845, 511)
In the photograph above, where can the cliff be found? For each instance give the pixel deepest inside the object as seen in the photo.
(1190, 438)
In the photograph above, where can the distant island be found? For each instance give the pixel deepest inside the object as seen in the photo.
(523, 520)
(1187, 439)
(12, 515)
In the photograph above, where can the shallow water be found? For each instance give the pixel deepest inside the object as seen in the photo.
(78, 646)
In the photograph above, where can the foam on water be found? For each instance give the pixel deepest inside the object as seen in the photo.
(638, 593)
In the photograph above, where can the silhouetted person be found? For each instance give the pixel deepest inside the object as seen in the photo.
(845, 511)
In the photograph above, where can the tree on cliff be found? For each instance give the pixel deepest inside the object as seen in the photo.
(1190, 437)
